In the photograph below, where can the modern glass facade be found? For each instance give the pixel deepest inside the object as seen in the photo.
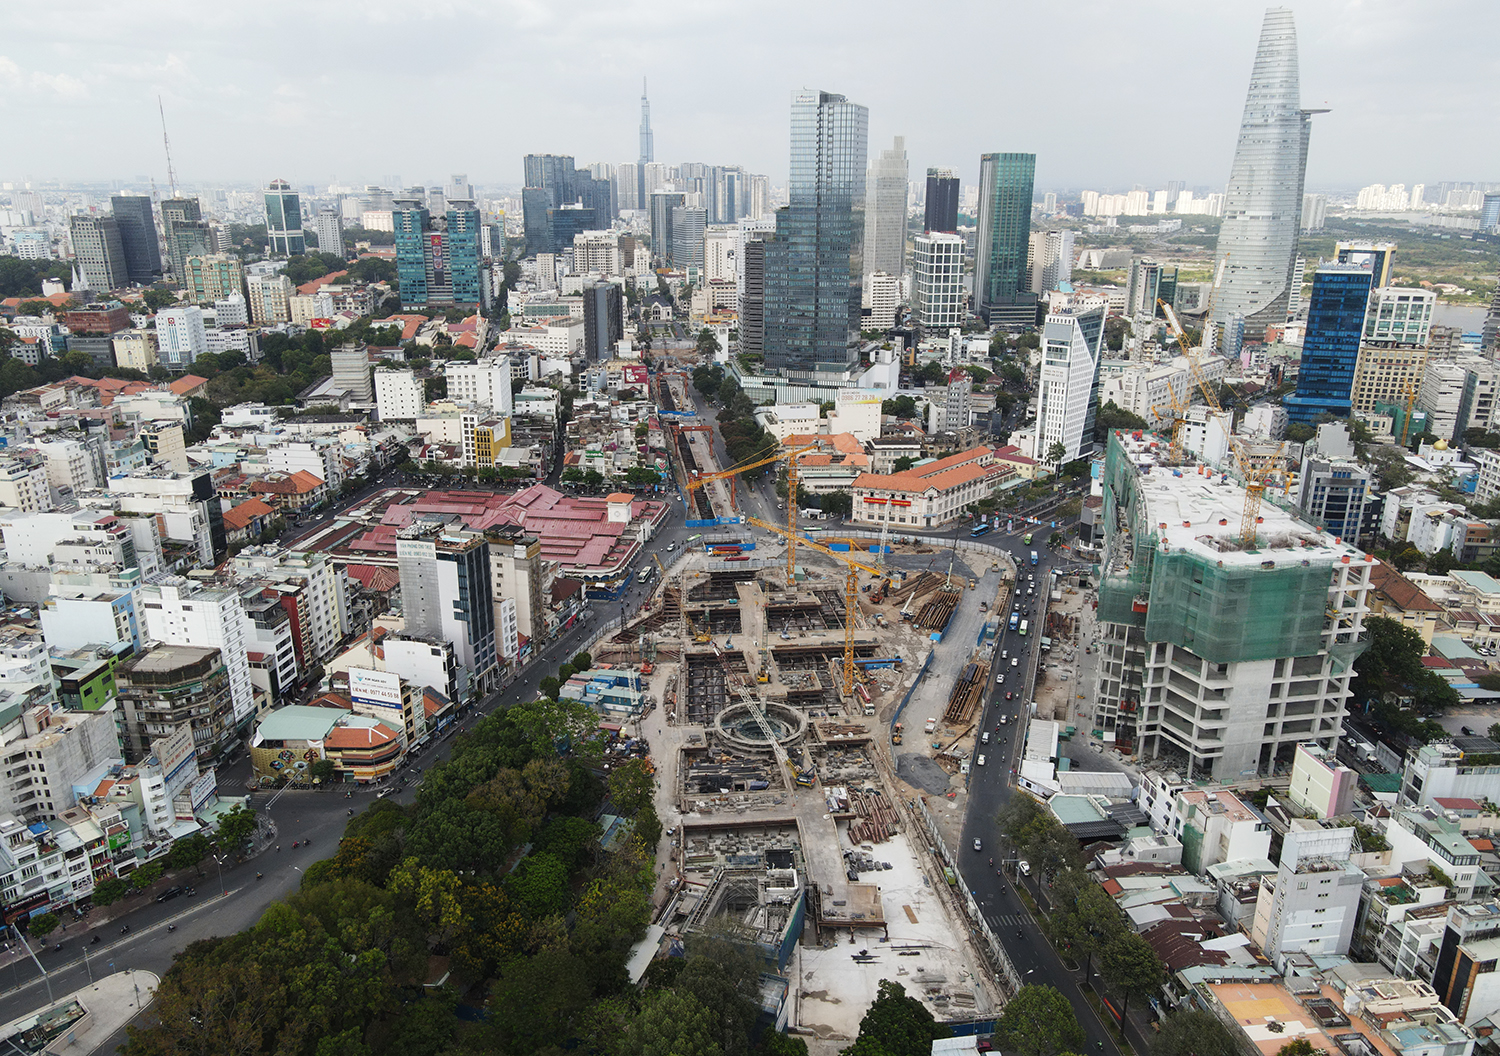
(942, 201)
(1001, 280)
(885, 212)
(1330, 348)
(284, 220)
(138, 235)
(1263, 203)
(409, 218)
(815, 264)
(438, 262)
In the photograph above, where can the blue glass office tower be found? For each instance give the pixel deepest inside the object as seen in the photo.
(284, 220)
(1002, 283)
(814, 266)
(438, 261)
(1330, 348)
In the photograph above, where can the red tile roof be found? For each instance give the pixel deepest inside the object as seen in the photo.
(242, 515)
(377, 578)
(321, 281)
(359, 736)
(185, 384)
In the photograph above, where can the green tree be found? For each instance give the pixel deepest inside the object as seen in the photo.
(146, 875)
(108, 892)
(896, 1025)
(572, 475)
(1392, 666)
(539, 885)
(671, 1024)
(1038, 1021)
(1298, 1047)
(631, 786)
(44, 924)
(549, 686)
(902, 464)
(1056, 453)
(1131, 966)
(838, 504)
(1192, 1032)
(1084, 919)
(1109, 418)
(189, 851)
(1300, 432)
(235, 827)
(582, 661)
(593, 478)
(904, 407)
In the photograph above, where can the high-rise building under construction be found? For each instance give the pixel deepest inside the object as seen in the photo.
(1218, 658)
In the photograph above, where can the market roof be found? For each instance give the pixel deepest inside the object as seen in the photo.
(297, 722)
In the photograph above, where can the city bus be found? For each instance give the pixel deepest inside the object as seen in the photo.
(979, 529)
(1023, 628)
(1014, 618)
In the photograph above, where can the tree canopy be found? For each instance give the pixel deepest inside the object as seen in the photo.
(896, 1025)
(1039, 1021)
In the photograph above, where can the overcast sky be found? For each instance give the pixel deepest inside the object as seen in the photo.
(1107, 94)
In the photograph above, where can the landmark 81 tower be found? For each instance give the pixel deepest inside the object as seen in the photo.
(1263, 204)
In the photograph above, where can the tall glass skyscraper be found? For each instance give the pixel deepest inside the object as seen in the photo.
(885, 212)
(138, 234)
(1330, 348)
(284, 220)
(1263, 203)
(815, 265)
(942, 201)
(1002, 285)
(438, 260)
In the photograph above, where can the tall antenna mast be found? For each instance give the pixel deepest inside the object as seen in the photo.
(167, 143)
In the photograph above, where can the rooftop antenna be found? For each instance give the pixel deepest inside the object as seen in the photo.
(167, 143)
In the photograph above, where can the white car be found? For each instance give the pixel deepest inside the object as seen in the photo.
(977, 845)
(979, 760)
(1015, 661)
(671, 547)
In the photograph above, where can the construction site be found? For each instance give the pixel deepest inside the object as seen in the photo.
(786, 668)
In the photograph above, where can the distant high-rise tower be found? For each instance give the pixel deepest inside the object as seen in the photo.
(815, 264)
(603, 320)
(648, 149)
(885, 212)
(138, 235)
(330, 228)
(1330, 346)
(185, 233)
(1263, 204)
(99, 252)
(284, 220)
(1002, 284)
(438, 259)
(942, 201)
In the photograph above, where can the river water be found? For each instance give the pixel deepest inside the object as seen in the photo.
(1467, 317)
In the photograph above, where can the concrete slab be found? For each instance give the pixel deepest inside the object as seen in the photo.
(832, 990)
(88, 1017)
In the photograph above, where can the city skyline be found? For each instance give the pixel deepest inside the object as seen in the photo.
(236, 112)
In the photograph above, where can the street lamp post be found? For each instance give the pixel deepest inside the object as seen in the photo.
(219, 865)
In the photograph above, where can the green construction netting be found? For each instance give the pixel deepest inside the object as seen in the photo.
(1223, 614)
(1230, 614)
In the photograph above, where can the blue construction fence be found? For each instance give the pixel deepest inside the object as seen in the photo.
(921, 674)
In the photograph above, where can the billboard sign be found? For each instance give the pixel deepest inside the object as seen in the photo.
(381, 689)
(204, 789)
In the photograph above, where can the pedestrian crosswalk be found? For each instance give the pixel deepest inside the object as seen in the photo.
(1006, 921)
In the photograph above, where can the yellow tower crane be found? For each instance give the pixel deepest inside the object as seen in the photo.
(851, 592)
(1254, 469)
(1410, 392)
(791, 455)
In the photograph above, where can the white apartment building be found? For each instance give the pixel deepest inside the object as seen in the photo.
(1051, 255)
(1265, 421)
(185, 505)
(1217, 827)
(1400, 314)
(72, 464)
(322, 460)
(231, 311)
(179, 612)
(1425, 836)
(487, 382)
(33, 538)
(24, 482)
(1310, 905)
(399, 395)
(317, 588)
(181, 336)
(45, 752)
(270, 298)
(75, 617)
(882, 295)
(1459, 395)
(597, 251)
(305, 307)
(1067, 389)
(938, 300)
(557, 337)
(719, 245)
